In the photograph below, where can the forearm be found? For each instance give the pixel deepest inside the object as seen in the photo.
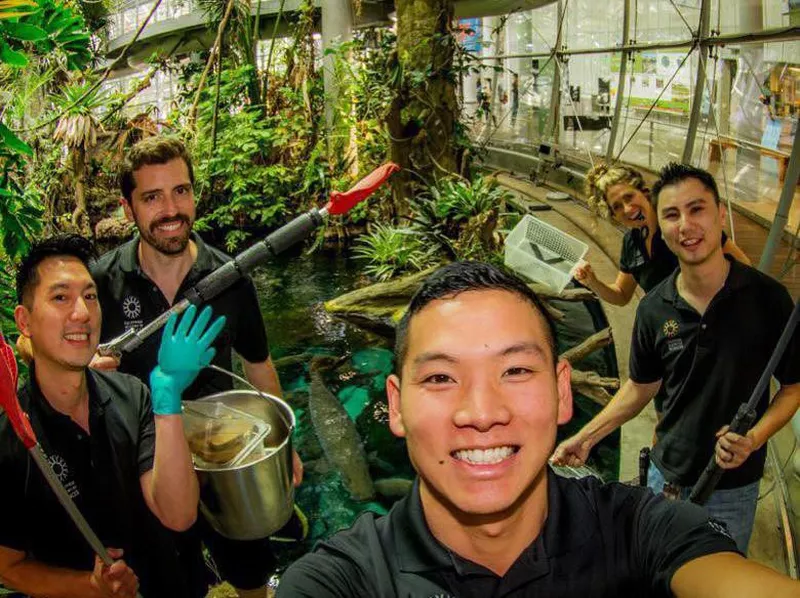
(39, 580)
(263, 376)
(626, 404)
(729, 575)
(610, 293)
(173, 484)
(778, 414)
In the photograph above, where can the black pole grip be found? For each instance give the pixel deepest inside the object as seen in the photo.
(227, 274)
(289, 234)
(711, 475)
(644, 465)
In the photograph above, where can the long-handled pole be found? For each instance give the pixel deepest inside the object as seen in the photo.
(747, 412)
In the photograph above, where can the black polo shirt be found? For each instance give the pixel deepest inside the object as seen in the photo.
(129, 299)
(710, 365)
(599, 540)
(101, 472)
(648, 270)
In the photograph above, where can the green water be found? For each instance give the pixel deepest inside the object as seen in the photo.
(292, 290)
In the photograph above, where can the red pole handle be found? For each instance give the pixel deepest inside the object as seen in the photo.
(8, 396)
(341, 202)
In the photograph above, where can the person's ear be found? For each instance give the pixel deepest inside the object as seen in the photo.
(723, 212)
(22, 317)
(393, 397)
(126, 207)
(564, 384)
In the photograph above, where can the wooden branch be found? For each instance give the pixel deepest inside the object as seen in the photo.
(566, 295)
(598, 395)
(377, 294)
(597, 341)
(594, 379)
(593, 385)
(556, 314)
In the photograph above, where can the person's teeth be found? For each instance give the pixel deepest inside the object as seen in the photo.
(82, 336)
(170, 226)
(485, 457)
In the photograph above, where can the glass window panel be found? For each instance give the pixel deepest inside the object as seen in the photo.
(746, 137)
(664, 20)
(746, 16)
(656, 105)
(586, 108)
(588, 27)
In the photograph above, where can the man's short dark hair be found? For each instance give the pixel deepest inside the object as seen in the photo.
(460, 277)
(58, 245)
(152, 150)
(674, 173)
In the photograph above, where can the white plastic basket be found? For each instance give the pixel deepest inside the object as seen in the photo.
(543, 253)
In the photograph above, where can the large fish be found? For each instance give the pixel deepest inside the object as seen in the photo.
(338, 437)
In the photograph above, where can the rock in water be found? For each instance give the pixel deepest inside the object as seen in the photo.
(339, 438)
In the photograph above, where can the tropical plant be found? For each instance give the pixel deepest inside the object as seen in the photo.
(391, 250)
(460, 216)
(77, 129)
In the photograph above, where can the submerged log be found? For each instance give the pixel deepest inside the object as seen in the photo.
(380, 306)
(390, 294)
(380, 293)
(597, 341)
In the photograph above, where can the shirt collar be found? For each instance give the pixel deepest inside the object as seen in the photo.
(99, 396)
(738, 278)
(129, 256)
(564, 531)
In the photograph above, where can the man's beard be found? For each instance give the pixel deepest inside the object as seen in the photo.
(168, 246)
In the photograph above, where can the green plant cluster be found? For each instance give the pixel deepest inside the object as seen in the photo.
(454, 219)
(37, 39)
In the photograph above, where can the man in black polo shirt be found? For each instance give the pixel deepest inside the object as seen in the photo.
(478, 396)
(705, 334)
(144, 277)
(129, 472)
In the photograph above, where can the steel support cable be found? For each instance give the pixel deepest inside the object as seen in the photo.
(553, 53)
(574, 110)
(102, 79)
(655, 102)
(680, 14)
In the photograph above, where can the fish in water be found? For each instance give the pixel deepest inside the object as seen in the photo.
(393, 487)
(338, 437)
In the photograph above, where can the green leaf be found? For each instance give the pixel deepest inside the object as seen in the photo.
(25, 32)
(12, 57)
(14, 142)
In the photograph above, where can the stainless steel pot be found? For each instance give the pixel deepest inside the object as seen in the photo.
(255, 499)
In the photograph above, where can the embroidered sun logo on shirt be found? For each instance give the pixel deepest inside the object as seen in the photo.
(131, 307)
(59, 467)
(670, 328)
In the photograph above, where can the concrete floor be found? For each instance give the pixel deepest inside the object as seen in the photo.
(767, 545)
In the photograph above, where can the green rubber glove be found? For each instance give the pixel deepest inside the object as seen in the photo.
(184, 351)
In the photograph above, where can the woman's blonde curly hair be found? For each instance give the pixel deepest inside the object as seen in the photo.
(600, 178)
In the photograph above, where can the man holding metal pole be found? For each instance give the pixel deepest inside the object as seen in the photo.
(143, 278)
(121, 459)
(706, 334)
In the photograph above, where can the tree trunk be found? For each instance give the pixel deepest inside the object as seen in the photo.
(423, 113)
(80, 217)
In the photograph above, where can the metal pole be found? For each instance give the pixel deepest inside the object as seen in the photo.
(623, 74)
(785, 203)
(700, 82)
(555, 92)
